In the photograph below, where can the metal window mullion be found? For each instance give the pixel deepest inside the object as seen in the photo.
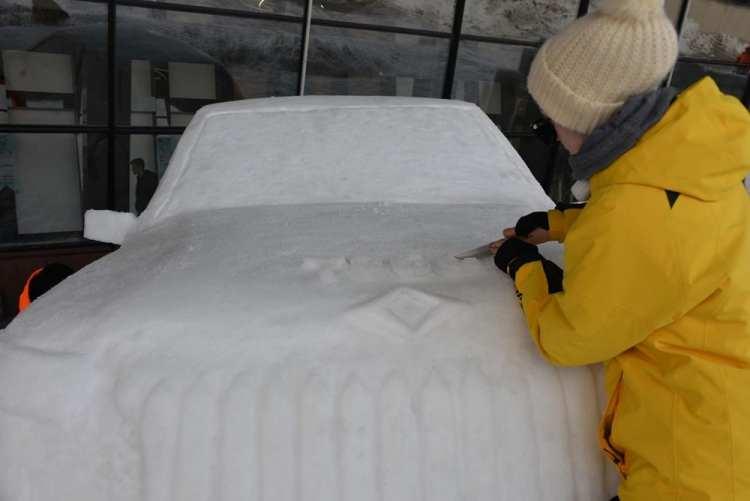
(305, 49)
(53, 129)
(88, 129)
(212, 11)
(583, 8)
(333, 23)
(111, 101)
(11, 248)
(450, 70)
(684, 8)
(145, 130)
(500, 41)
(712, 62)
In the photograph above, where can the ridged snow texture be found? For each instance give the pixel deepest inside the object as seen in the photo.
(472, 429)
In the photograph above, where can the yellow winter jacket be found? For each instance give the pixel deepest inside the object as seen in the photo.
(657, 285)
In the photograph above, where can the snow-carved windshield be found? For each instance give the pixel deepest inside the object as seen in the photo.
(341, 150)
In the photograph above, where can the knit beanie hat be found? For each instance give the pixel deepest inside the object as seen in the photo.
(583, 75)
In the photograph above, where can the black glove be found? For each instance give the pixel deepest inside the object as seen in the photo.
(531, 222)
(515, 253)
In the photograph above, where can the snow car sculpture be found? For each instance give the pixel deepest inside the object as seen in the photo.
(286, 321)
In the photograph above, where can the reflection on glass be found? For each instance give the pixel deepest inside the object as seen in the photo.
(671, 6)
(494, 77)
(175, 62)
(522, 20)
(345, 61)
(142, 162)
(561, 179)
(436, 15)
(287, 7)
(549, 165)
(537, 156)
(730, 79)
(146, 182)
(41, 177)
(52, 60)
(716, 29)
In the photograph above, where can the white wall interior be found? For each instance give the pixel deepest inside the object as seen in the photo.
(186, 81)
(48, 195)
(38, 71)
(404, 86)
(180, 119)
(48, 183)
(141, 99)
(192, 81)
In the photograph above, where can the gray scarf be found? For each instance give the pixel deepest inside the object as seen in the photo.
(611, 140)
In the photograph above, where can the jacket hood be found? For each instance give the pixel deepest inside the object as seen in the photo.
(700, 148)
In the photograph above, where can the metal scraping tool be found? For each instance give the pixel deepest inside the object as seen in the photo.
(479, 252)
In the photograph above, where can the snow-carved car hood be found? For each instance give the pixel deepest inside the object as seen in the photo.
(256, 353)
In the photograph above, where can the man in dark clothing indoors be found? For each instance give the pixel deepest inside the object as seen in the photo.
(145, 185)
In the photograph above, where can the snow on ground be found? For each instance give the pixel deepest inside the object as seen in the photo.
(288, 322)
(520, 19)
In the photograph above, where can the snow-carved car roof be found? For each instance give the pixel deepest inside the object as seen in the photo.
(315, 150)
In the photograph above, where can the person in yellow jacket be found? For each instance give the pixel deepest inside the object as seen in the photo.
(657, 265)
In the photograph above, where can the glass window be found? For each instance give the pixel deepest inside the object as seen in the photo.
(436, 15)
(172, 63)
(730, 79)
(716, 30)
(560, 178)
(672, 7)
(287, 7)
(493, 76)
(46, 182)
(53, 58)
(549, 164)
(530, 21)
(355, 62)
(537, 156)
(141, 163)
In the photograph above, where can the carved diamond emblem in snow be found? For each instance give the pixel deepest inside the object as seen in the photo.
(411, 307)
(400, 313)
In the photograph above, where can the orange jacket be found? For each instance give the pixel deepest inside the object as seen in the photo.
(24, 299)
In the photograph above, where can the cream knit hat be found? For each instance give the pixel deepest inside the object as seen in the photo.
(583, 75)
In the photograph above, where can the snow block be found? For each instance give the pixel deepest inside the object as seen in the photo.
(108, 226)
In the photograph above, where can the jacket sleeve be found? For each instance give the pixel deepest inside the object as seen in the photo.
(561, 219)
(619, 287)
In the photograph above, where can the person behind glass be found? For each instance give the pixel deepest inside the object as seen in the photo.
(744, 58)
(146, 183)
(657, 263)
